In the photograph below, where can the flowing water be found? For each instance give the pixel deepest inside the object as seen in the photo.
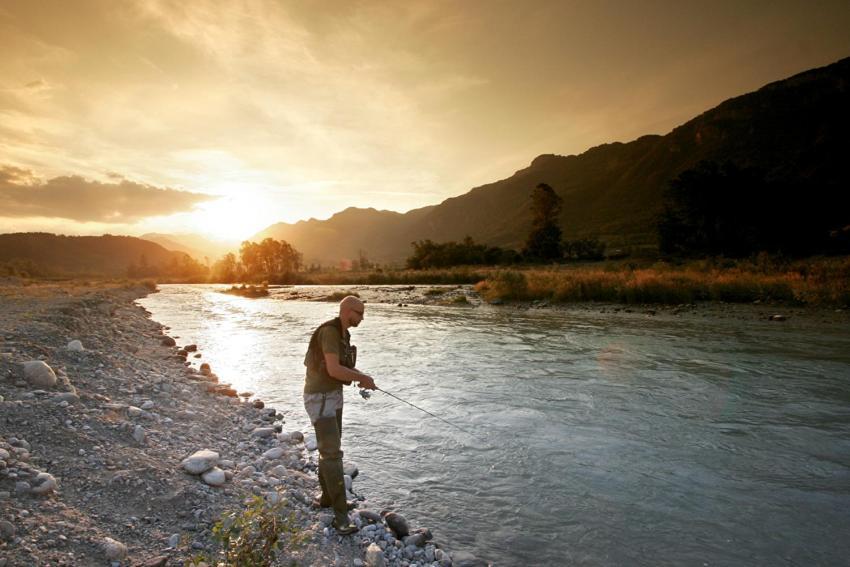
(595, 438)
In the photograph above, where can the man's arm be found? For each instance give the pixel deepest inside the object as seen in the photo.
(339, 372)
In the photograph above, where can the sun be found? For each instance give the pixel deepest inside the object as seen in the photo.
(231, 218)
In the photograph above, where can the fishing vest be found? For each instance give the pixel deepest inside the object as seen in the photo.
(318, 380)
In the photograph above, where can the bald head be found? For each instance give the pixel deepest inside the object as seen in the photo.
(351, 311)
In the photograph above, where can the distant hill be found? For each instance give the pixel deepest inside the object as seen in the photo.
(791, 129)
(194, 245)
(83, 255)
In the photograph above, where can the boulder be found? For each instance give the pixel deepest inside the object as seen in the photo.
(39, 374)
(43, 483)
(214, 477)
(374, 556)
(200, 461)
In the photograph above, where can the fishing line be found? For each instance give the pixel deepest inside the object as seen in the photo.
(366, 395)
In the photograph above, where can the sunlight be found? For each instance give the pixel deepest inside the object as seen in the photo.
(233, 218)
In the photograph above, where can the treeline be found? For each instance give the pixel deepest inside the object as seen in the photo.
(184, 268)
(273, 261)
(735, 212)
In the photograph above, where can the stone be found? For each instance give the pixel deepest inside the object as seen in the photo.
(397, 523)
(200, 461)
(67, 397)
(168, 341)
(311, 444)
(22, 487)
(350, 469)
(416, 539)
(39, 374)
(148, 405)
(114, 549)
(262, 432)
(190, 348)
(43, 483)
(348, 482)
(370, 516)
(7, 530)
(139, 434)
(75, 346)
(259, 404)
(214, 477)
(133, 411)
(4, 454)
(174, 541)
(205, 369)
(274, 453)
(296, 437)
(159, 561)
(374, 556)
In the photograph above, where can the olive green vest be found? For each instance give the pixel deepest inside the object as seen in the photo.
(318, 380)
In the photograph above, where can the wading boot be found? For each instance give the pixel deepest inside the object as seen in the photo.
(330, 468)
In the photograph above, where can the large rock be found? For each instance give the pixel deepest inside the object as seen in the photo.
(397, 523)
(114, 550)
(43, 483)
(214, 477)
(39, 374)
(374, 556)
(200, 461)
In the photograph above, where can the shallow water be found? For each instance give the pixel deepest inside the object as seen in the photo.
(596, 439)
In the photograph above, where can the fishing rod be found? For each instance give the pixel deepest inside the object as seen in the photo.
(366, 395)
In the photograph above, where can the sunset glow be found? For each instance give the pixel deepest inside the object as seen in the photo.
(225, 117)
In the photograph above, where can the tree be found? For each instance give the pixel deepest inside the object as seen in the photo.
(544, 240)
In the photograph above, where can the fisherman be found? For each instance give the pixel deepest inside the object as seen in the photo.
(330, 364)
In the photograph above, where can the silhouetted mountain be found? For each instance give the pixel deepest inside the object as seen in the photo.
(194, 245)
(83, 255)
(791, 129)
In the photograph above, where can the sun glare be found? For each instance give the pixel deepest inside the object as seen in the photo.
(231, 218)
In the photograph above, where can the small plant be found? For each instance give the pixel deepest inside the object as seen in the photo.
(253, 537)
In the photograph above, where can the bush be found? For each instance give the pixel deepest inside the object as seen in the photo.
(253, 537)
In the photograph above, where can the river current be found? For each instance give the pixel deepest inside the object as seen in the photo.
(599, 439)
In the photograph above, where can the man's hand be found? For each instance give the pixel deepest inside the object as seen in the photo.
(367, 383)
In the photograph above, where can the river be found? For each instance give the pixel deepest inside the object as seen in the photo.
(601, 439)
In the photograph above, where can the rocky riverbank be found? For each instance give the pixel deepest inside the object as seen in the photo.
(114, 451)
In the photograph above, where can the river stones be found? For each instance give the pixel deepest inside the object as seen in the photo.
(114, 549)
(43, 483)
(214, 477)
(274, 453)
(296, 437)
(375, 556)
(7, 530)
(370, 516)
(263, 432)
(350, 469)
(75, 346)
(200, 461)
(39, 374)
(168, 341)
(397, 523)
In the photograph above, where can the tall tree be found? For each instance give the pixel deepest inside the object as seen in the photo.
(544, 240)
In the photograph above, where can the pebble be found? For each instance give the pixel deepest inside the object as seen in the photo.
(148, 405)
(397, 523)
(174, 541)
(76, 346)
(22, 487)
(375, 556)
(43, 483)
(214, 477)
(168, 341)
(114, 549)
(273, 454)
(350, 469)
(133, 411)
(7, 530)
(296, 437)
(263, 432)
(139, 434)
(200, 461)
(39, 374)
(311, 445)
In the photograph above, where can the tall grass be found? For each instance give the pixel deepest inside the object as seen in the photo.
(822, 281)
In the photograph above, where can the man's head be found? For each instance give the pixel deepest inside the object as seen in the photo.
(351, 311)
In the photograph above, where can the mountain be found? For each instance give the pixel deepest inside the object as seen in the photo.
(83, 255)
(194, 245)
(791, 129)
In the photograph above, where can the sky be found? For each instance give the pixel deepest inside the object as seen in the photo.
(223, 117)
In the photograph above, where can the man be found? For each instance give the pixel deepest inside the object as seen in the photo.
(330, 363)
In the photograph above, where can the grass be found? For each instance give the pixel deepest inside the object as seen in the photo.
(823, 281)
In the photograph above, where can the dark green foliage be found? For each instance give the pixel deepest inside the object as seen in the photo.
(428, 254)
(253, 537)
(584, 249)
(731, 211)
(544, 240)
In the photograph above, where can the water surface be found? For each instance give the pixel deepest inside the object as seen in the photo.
(596, 438)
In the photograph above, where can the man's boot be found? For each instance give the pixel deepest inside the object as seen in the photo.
(330, 467)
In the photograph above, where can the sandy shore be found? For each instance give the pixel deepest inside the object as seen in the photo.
(90, 466)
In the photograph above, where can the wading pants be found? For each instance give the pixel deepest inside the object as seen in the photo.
(329, 440)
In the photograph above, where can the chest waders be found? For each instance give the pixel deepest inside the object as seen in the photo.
(329, 441)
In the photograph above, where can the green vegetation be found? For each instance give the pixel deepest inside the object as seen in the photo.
(544, 241)
(820, 281)
(249, 290)
(257, 536)
(428, 254)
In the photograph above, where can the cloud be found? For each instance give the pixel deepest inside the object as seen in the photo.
(73, 197)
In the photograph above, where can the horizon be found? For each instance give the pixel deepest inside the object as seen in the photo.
(224, 119)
